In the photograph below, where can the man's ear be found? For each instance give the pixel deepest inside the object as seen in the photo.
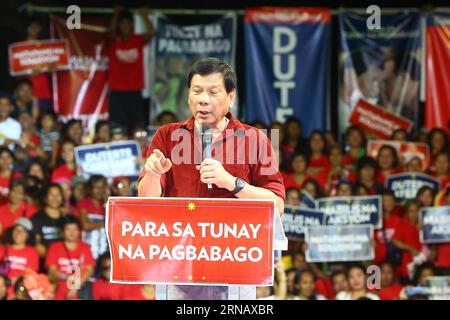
(232, 97)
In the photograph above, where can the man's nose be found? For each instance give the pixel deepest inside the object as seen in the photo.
(204, 98)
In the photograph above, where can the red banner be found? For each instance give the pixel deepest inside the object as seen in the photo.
(437, 100)
(376, 120)
(406, 150)
(82, 91)
(191, 241)
(29, 56)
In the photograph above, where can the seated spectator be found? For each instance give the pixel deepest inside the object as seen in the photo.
(344, 188)
(384, 248)
(438, 142)
(10, 129)
(16, 207)
(328, 179)
(65, 256)
(442, 169)
(29, 143)
(304, 282)
(73, 131)
(355, 141)
(7, 174)
(66, 167)
(318, 151)
(388, 163)
(390, 290)
(46, 223)
(413, 165)
(102, 132)
(357, 280)
(94, 204)
(102, 289)
(367, 168)
(339, 281)
(49, 137)
(406, 238)
(298, 175)
(425, 195)
(36, 168)
(292, 197)
(19, 249)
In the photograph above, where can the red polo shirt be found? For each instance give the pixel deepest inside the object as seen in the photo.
(251, 165)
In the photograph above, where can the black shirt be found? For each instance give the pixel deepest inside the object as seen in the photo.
(48, 228)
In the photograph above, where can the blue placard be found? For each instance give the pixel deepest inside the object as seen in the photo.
(339, 243)
(352, 210)
(406, 185)
(296, 219)
(436, 224)
(307, 200)
(111, 160)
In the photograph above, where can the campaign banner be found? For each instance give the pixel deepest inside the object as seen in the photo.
(436, 224)
(438, 287)
(191, 240)
(437, 94)
(96, 238)
(297, 219)
(112, 159)
(28, 57)
(406, 151)
(405, 185)
(352, 210)
(81, 92)
(380, 65)
(287, 54)
(339, 243)
(177, 47)
(376, 120)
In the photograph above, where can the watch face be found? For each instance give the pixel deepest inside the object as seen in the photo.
(240, 183)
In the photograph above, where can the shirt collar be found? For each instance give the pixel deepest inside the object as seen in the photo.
(232, 124)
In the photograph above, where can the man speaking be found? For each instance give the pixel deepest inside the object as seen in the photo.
(210, 155)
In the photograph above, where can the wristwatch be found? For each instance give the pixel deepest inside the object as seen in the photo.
(239, 185)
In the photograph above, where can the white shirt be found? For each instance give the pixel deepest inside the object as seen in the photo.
(10, 129)
(344, 295)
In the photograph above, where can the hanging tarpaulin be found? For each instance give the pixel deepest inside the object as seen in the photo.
(437, 102)
(81, 92)
(381, 66)
(177, 47)
(287, 60)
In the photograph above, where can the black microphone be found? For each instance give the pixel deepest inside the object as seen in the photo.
(206, 145)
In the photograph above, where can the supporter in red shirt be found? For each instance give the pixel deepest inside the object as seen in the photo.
(305, 285)
(72, 130)
(65, 257)
(406, 236)
(19, 249)
(425, 195)
(67, 169)
(6, 172)
(438, 142)
(442, 169)
(126, 69)
(298, 175)
(442, 250)
(94, 204)
(318, 160)
(102, 289)
(355, 141)
(16, 207)
(389, 289)
(367, 168)
(391, 222)
(388, 163)
(328, 179)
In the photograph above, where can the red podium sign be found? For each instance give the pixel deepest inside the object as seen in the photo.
(191, 240)
(27, 56)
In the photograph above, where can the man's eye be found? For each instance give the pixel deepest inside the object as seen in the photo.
(214, 92)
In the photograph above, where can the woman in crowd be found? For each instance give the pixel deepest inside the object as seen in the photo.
(438, 142)
(442, 169)
(305, 285)
(7, 172)
(102, 132)
(357, 280)
(367, 168)
(93, 206)
(292, 141)
(66, 167)
(388, 163)
(102, 289)
(390, 290)
(73, 130)
(318, 154)
(298, 175)
(355, 146)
